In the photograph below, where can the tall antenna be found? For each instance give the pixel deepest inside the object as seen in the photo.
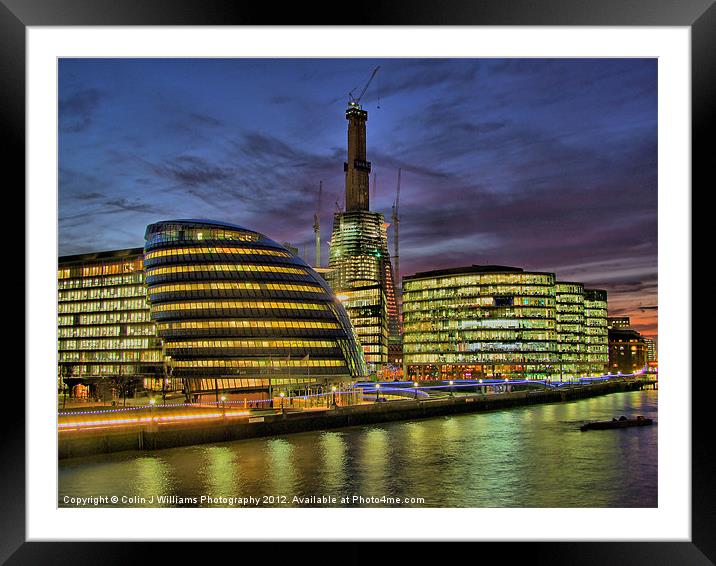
(317, 225)
(396, 222)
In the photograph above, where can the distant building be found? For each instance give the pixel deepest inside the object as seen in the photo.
(107, 341)
(627, 351)
(290, 247)
(651, 353)
(571, 329)
(618, 322)
(595, 329)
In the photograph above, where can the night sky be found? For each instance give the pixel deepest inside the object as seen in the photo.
(543, 164)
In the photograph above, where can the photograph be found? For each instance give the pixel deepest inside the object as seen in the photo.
(357, 282)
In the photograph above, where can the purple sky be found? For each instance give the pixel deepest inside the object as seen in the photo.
(543, 164)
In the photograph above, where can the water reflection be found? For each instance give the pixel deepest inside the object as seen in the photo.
(220, 472)
(280, 470)
(372, 467)
(526, 457)
(333, 454)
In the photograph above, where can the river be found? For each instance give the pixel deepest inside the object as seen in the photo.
(524, 457)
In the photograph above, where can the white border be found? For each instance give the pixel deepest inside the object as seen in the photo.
(670, 521)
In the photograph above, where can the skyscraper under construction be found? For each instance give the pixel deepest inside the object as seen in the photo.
(360, 269)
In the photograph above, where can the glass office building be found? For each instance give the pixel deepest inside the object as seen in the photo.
(105, 335)
(238, 312)
(595, 330)
(492, 321)
(571, 344)
(481, 321)
(361, 276)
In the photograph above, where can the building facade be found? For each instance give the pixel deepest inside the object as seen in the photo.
(481, 321)
(651, 354)
(107, 341)
(628, 352)
(618, 322)
(491, 321)
(360, 271)
(570, 319)
(595, 329)
(238, 312)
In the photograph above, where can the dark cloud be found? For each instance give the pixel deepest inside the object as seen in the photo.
(205, 119)
(192, 171)
(111, 206)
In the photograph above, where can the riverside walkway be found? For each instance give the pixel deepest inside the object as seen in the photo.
(154, 427)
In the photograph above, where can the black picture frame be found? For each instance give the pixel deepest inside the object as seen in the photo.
(699, 15)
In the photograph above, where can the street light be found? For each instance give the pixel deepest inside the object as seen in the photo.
(377, 389)
(282, 394)
(152, 401)
(451, 384)
(415, 384)
(333, 388)
(223, 406)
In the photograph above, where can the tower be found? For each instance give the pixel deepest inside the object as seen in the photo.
(360, 273)
(357, 168)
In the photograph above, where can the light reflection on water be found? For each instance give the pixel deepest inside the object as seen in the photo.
(526, 457)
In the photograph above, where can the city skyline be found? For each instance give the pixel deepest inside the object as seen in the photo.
(544, 164)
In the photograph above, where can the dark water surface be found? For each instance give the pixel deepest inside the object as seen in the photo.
(526, 457)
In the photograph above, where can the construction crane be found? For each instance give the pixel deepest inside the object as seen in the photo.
(396, 222)
(355, 100)
(317, 225)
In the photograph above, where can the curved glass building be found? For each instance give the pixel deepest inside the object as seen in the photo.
(236, 311)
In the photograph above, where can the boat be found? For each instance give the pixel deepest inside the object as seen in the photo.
(621, 422)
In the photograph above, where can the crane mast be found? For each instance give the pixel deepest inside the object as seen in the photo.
(355, 100)
(317, 225)
(396, 222)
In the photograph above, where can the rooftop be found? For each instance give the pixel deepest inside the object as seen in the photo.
(466, 270)
(110, 254)
(203, 222)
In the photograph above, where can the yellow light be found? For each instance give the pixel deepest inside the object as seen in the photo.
(152, 401)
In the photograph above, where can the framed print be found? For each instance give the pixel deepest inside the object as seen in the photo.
(245, 351)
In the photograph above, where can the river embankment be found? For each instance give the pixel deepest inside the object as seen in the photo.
(153, 436)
